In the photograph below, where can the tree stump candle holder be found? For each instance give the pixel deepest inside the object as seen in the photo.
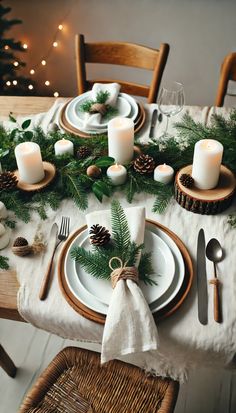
(50, 172)
(206, 201)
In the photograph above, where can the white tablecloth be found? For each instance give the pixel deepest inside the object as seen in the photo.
(184, 342)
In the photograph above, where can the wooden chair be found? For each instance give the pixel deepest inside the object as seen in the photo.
(6, 363)
(228, 72)
(75, 382)
(124, 54)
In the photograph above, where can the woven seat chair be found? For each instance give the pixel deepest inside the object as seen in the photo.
(123, 54)
(74, 382)
(228, 72)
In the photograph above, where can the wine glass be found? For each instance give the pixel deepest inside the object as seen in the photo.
(170, 102)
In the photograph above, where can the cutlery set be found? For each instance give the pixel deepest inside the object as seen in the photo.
(214, 252)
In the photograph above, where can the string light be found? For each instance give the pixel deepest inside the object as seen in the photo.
(60, 27)
(55, 44)
(44, 62)
(25, 46)
(30, 87)
(8, 83)
(32, 71)
(16, 64)
(56, 94)
(47, 83)
(14, 82)
(6, 47)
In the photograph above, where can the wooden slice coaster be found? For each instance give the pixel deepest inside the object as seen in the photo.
(64, 124)
(100, 318)
(50, 172)
(202, 201)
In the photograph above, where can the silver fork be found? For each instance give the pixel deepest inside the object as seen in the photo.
(62, 236)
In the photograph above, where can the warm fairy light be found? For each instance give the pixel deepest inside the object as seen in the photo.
(30, 87)
(56, 94)
(8, 83)
(16, 64)
(32, 71)
(60, 27)
(47, 83)
(55, 44)
(44, 62)
(6, 47)
(14, 82)
(25, 46)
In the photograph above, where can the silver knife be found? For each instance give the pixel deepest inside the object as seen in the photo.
(202, 278)
(153, 123)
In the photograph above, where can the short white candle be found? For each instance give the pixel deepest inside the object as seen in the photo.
(121, 140)
(117, 174)
(3, 211)
(163, 173)
(64, 146)
(206, 163)
(29, 162)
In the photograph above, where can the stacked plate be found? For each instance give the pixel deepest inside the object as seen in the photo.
(167, 262)
(72, 119)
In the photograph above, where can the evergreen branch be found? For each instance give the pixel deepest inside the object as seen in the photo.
(232, 220)
(145, 269)
(120, 229)
(10, 223)
(102, 96)
(162, 199)
(92, 262)
(4, 263)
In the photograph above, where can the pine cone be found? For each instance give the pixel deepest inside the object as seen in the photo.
(8, 180)
(83, 152)
(98, 108)
(144, 164)
(186, 180)
(99, 235)
(20, 242)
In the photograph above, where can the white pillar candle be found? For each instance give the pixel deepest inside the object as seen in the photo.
(29, 162)
(121, 139)
(117, 174)
(3, 211)
(163, 173)
(206, 163)
(64, 146)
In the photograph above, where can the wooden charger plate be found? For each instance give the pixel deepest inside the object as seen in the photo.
(100, 318)
(138, 124)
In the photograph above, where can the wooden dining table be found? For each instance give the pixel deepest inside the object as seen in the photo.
(17, 105)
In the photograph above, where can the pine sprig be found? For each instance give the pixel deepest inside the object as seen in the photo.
(120, 229)
(4, 263)
(92, 262)
(232, 220)
(163, 198)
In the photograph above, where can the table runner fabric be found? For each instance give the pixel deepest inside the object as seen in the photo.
(130, 327)
(184, 342)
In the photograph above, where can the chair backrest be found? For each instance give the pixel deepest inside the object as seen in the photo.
(125, 54)
(228, 72)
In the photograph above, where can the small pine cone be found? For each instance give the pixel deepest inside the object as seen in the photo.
(83, 152)
(99, 235)
(186, 180)
(144, 164)
(98, 108)
(20, 242)
(8, 180)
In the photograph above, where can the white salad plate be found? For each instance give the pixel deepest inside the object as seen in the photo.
(163, 271)
(95, 304)
(77, 123)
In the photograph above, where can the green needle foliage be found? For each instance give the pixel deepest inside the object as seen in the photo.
(96, 262)
(4, 263)
(101, 97)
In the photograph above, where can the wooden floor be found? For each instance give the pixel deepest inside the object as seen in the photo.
(207, 391)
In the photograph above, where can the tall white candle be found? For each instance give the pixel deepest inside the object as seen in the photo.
(163, 173)
(29, 162)
(117, 174)
(64, 146)
(121, 139)
(206, 163)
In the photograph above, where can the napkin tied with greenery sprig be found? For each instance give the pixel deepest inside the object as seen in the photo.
(129, 327)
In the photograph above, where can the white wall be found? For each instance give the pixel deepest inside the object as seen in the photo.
(200, 34)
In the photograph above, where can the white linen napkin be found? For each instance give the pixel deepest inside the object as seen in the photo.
(91, 120)
(130, 327)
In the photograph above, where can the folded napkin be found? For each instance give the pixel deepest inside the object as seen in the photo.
(130, 327)
(91, 121)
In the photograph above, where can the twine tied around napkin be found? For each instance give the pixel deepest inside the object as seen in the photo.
(122, 273)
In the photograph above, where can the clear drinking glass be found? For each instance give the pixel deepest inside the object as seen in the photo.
(170, 102)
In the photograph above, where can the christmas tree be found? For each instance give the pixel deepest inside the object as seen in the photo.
(11, 82)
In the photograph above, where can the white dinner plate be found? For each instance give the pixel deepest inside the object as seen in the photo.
(74, 121)
(91, 302)
(163, 266)
(123, 108)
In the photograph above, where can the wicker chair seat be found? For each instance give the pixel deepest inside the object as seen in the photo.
(74, 382)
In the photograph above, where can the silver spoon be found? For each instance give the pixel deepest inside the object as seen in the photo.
(214, 253)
